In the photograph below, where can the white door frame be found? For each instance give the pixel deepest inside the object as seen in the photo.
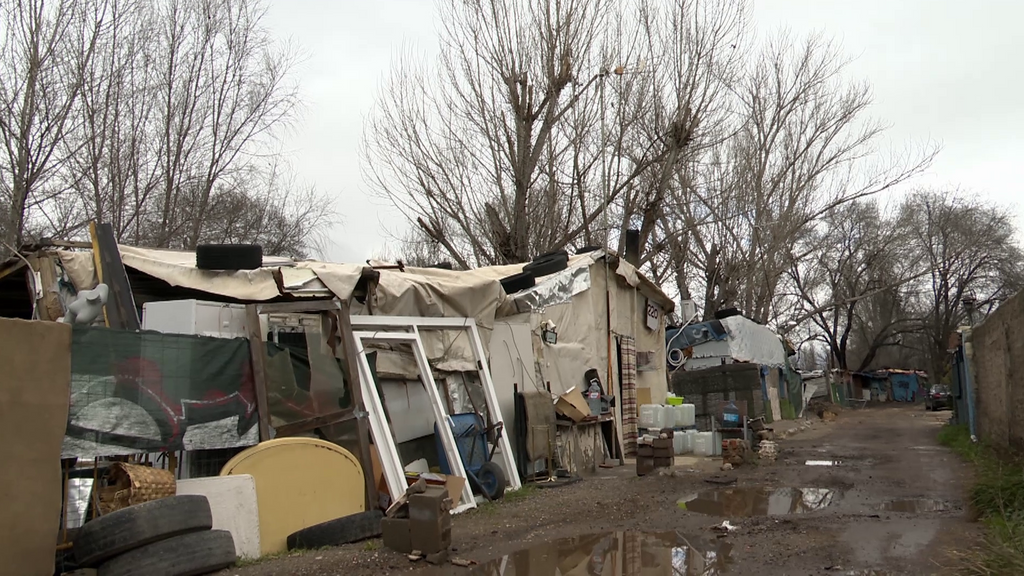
(407, 329)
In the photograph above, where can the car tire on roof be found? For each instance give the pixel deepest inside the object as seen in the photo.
(548, 264)
(517, 282)
(229, 256)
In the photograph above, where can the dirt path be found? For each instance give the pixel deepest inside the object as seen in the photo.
(893, 505)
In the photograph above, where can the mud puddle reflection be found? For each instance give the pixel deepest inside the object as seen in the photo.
(917, 506)
(625, 553)
(748, 502)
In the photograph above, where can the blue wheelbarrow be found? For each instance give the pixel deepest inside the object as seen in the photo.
(485, 476)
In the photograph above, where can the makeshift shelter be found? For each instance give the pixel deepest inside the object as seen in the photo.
(599, 314)
(717, 344)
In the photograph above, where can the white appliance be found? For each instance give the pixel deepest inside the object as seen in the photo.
(196, 317)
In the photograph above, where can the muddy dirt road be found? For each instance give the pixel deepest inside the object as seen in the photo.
(884, 498)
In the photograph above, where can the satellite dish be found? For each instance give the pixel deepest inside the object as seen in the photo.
(88, 306)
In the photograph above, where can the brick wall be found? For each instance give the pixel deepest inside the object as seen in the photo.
(998, 365)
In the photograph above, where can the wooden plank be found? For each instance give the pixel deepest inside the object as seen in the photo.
(352, 375)
(50, 302)
(310, 307)
(98, 265)
(310, 424)
(258, 353)
(14, 267)
(121, 310)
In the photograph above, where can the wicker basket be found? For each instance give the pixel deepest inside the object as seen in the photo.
(135, 484)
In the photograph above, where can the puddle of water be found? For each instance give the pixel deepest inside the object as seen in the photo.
(917, 506)
(823, 463)
(624, 553)
(747, 502)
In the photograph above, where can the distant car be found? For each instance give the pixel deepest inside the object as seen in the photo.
(938, 398)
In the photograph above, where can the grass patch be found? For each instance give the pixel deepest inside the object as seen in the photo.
(511, 498)
(371, 545)
(997, 498)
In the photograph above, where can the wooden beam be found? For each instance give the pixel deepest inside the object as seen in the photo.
(310, 307)
(49, 304)
(310, 424)
(121, 310)
(258, 353)
(352, 375)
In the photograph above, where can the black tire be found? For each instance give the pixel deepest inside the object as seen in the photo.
(185, 555)
(727, 313)
(492, 480)
(588, 249)
(136, 526)
(547, 255)
(517, 282)
(548, 265)
(229, 256)
(344, 530)
(442, 266)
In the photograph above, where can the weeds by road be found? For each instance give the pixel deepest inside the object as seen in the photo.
(997, 498)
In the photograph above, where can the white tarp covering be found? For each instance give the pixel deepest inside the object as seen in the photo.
(429, 292)
(753, 343)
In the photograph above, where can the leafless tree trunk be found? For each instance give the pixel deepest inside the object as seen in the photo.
(967, 249)
(45, 47)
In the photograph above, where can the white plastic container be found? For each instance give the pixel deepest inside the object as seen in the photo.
(684, 443)
(678, 443)
(651, 416)
(670, 417)
(687, 415)
(702, 444)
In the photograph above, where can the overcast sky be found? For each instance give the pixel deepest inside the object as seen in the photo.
(942, 70)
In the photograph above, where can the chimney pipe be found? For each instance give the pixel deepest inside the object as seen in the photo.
(633, 247)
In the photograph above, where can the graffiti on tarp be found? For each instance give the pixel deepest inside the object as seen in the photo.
(150, 392)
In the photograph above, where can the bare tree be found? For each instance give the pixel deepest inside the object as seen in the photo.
(802, 147)
(542, 120)
(160, 118)
(853, 280)
(45, 47)
(969, 250)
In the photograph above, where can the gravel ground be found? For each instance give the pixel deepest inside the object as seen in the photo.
(887, 454)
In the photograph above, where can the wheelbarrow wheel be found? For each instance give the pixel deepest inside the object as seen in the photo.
(492, 480)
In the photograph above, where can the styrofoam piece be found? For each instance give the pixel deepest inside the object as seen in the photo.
(233, 502)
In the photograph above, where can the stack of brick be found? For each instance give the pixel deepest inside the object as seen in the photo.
(736, 451)
(654, 453)
(423, 527)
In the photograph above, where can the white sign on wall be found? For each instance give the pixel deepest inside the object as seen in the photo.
(653, 315)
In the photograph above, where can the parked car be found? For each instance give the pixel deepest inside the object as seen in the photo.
(938, 398)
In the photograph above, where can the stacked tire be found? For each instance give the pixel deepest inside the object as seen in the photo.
(168, 537)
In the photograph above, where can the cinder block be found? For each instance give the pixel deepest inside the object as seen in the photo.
(396, 534)
(644, 465)
(663, 462)
(430, 537)
(431, 502)
(662, 443)
(643, 450)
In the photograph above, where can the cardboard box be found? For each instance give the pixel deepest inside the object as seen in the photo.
(573, 405)
(453, 484)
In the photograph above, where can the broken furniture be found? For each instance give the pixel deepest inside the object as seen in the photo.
(420, 521)
(300, 482)
(471, 436)
(406, 329)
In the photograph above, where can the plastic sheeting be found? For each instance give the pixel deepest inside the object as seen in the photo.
(754, 343)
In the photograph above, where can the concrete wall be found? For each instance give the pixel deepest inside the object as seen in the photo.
(998, 366)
